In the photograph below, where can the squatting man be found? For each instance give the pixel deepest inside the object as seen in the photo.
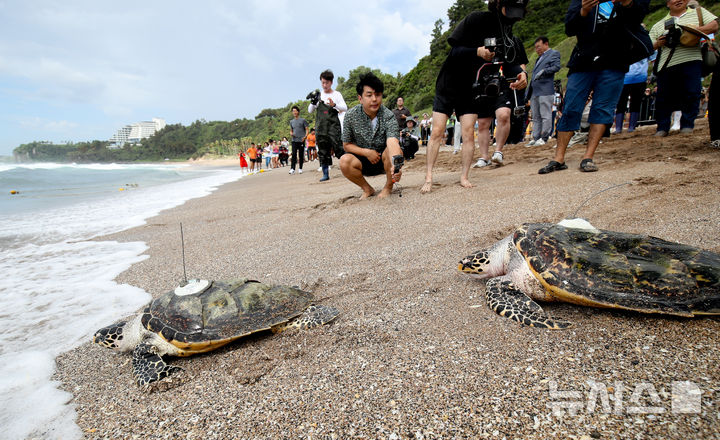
(370, 138)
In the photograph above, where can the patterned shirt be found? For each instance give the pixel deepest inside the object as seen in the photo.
(358, 129)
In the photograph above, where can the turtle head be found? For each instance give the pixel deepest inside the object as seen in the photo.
(476, 265)
(491, 262)
(110, 336)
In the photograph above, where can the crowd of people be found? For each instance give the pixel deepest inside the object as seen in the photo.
(620, 74)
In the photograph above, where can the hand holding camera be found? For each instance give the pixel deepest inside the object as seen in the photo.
(398, 162)
(314, 97)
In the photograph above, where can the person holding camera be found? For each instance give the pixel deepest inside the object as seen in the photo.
(679, 65)
(605, 30)
(409, 138)
(370, 139)
(471, 84)
(331, 109)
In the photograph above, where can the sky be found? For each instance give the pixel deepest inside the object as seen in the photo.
(79, 70)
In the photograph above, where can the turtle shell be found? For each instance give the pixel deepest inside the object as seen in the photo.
(221, 313)
(619, 270)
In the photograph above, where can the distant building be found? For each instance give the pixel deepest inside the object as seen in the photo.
(136, 132)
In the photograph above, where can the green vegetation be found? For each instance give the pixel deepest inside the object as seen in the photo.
(417, 87)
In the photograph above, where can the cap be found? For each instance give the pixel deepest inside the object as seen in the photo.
(514, 8)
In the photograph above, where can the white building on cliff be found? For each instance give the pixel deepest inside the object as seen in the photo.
(134, 133)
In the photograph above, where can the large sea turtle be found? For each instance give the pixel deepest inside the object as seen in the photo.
(574, 262)
(204, 315)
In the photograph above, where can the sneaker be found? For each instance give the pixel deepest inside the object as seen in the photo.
(481, 163)
(540, 142)
(497, 158)
(292, 172)
(300, 171)
(715, 143)
(660, 133)
(320, 169)
(531, 143)
(686, 130)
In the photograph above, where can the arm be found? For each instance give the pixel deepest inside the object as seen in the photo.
(711, 22)
(574, 20)
(553, 65)
(371, 155)
(340, 105)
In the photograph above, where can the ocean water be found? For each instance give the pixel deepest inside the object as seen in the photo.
(57, 286)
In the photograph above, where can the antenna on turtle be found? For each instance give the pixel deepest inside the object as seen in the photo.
(182, 242)
(596, 194)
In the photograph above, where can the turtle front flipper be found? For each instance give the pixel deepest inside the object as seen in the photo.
(507, 301)
(313, 316)
(151, 372)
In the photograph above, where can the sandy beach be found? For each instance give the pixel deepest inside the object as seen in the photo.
(415, 353)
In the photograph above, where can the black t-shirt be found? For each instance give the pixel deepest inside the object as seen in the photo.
(460, 68)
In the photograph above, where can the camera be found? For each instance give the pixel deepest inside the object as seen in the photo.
(489, 85)
(398, 162)
(672, 33)
(314, 97)
(492, 45)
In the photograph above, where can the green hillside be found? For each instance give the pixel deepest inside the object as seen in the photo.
(417, 87)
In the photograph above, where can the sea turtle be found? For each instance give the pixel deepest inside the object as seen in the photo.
(204, 315)
(574, 262)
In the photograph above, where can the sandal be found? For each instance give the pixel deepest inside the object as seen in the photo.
(588, 165)
(552, 166)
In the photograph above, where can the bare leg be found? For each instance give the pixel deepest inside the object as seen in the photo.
(467, 122)
(563, 141)
(436, 140)
(351, 168)
(503, 127)
(484, 137)
(387, 163)
(596, 133)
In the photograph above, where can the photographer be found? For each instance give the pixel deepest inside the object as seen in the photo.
(409, 139)
(471, 63)
(331, 109)
(604, 31)
(679, 64)
(370, 139)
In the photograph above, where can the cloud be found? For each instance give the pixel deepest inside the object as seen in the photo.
(183, 60)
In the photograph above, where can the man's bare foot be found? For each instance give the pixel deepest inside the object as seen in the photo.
(384, 193)
(465, 183)
(367, 194)
(426, 187)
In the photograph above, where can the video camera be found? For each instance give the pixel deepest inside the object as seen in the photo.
(672, 33)
(314, 97)
(489, 83)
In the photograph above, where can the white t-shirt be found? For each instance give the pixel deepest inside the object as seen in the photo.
(337, 98)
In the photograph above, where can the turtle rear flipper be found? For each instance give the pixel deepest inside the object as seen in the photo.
(151, 372)
(313, 316)
(507, 301)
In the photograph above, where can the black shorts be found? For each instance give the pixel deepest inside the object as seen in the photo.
(465, 104)
(461, 103)
(369, 168)
(486, 106)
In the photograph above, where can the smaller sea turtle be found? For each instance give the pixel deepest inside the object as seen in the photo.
(574, 262)
(201, 316)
